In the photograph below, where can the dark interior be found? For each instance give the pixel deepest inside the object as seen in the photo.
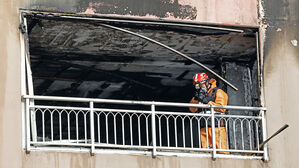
(83, 59)
(77, 58)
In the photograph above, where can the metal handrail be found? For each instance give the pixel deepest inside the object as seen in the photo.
(116, 101)
(91, 117)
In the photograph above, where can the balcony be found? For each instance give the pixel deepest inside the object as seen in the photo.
(141, 127)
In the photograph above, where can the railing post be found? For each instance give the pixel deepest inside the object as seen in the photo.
(213, 133)
(27, 113)
(91, 104)
(266, 158)
(154, 130)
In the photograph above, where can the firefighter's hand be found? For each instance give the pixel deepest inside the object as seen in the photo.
(193, 109)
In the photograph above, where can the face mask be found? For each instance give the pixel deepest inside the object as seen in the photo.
(204, 89)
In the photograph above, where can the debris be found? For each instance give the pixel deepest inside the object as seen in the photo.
(268, 139)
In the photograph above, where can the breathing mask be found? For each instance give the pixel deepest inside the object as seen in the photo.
(201, 87)
(204, 89)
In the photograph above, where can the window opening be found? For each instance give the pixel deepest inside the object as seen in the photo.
(79, 58)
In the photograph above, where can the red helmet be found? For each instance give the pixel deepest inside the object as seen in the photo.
(200, 77)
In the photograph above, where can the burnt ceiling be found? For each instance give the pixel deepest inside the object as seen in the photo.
(84, 59)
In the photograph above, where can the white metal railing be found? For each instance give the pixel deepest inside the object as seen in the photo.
(140, 127)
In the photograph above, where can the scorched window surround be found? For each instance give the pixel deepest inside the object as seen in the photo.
(70, 57)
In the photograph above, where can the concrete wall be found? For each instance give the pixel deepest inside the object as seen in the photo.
(66, 160)
(10, 88)
(281, 77)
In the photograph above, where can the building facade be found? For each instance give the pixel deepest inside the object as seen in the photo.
(279, 73)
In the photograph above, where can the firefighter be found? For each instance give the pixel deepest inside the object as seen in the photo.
(207, 93)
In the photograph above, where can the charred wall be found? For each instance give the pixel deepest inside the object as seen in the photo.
(94, 61)
(227, 12)
(281, 77)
